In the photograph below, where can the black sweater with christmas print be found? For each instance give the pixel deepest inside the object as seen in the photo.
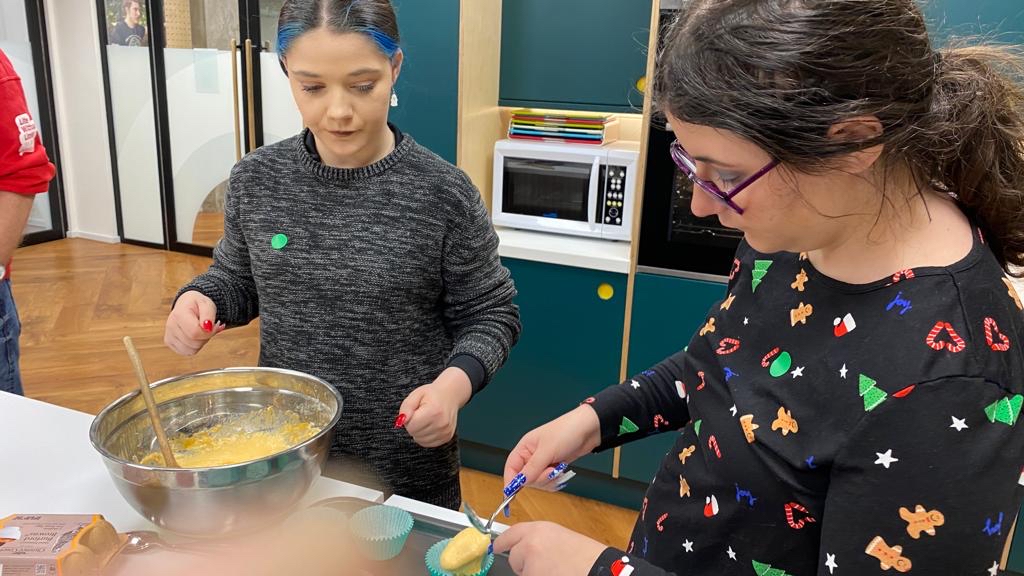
(830, 428)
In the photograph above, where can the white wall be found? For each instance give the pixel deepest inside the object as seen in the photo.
(81, 118)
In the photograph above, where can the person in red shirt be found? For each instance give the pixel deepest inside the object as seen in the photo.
(25, 171)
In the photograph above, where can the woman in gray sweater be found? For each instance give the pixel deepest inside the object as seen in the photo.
(370, 261)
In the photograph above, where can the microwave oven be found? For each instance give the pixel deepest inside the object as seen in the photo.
(577, 189)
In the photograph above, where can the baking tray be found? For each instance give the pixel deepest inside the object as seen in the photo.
(425, 533)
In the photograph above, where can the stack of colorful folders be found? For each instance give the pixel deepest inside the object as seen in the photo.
(572, 127)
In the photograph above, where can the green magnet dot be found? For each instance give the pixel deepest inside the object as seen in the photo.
(278, 241)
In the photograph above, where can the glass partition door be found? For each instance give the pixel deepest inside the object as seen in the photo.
(183, 114)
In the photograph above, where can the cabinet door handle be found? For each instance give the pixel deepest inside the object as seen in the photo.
(605, 291)
(234, 98)
(249, 91)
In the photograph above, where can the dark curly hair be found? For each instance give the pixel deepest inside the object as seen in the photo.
(781, 72)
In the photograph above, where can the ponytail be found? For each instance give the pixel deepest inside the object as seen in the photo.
(972, 143)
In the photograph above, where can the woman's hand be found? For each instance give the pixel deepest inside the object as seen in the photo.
(431, 412)
(564, 439)
(544, 548)
(191, 323)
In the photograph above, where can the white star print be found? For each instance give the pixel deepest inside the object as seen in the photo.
(798, 372)
(830, 562)
(746, 320)
(688, 545)
(886, 458)
(994, 570)
(843, 371)
(634, 384)
(959, 423)
(732, 555)
(733, 410)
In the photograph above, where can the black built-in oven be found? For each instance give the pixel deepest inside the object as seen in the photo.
(672, 239)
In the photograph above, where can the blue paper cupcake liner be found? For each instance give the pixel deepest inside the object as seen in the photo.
(381, 531)
(433, 560)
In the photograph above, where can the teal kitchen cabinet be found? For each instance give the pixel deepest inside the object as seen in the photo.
(570, 348)
(1000, 21)
(574, 54)
(428, 86)
(667, 311)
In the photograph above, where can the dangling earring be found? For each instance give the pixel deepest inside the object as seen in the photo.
(394, 98)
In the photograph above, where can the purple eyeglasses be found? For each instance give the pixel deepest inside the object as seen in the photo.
(689, 167)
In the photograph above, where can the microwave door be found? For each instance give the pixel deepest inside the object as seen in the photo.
(594, 194)
(547, 189)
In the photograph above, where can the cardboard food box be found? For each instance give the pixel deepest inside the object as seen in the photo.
(56, 545)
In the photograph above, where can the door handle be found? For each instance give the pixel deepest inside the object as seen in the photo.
(249, 93)
(234, 98)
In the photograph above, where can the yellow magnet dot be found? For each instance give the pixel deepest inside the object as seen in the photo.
(605, 291)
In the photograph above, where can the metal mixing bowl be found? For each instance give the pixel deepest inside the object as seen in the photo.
(223, 499)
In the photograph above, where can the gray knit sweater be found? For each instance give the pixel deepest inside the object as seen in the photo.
(390, 273)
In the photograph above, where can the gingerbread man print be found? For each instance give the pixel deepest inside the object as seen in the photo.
(921, 520)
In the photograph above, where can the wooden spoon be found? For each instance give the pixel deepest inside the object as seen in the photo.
(147, 395)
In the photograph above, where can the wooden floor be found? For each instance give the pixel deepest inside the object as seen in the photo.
(208, 228)
(78, 298)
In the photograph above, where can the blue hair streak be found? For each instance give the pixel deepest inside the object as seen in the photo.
(287, 34)
(386, 43)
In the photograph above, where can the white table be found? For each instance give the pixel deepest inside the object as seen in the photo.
(48, 466)
(436, 512)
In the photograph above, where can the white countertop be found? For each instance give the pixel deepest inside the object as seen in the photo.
(48, 466)
(431, 511)
(593, 253)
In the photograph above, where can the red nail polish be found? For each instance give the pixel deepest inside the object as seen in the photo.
(400, 421)
(207, 325)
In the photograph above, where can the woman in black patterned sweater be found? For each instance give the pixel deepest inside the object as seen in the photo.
(851, 406)
(370, 261)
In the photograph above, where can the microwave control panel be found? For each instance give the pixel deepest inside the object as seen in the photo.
(613, 186)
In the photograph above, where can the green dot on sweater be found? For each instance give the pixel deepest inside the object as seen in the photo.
(278, 241)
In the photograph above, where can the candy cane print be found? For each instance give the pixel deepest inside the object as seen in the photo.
(957, 344)
(660, 520)
(991, 327)
(797, 524)
(713, 445)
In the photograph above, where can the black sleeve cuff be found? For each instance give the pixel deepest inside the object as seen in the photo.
(473, 368)
(612, 562)
(603, 565)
